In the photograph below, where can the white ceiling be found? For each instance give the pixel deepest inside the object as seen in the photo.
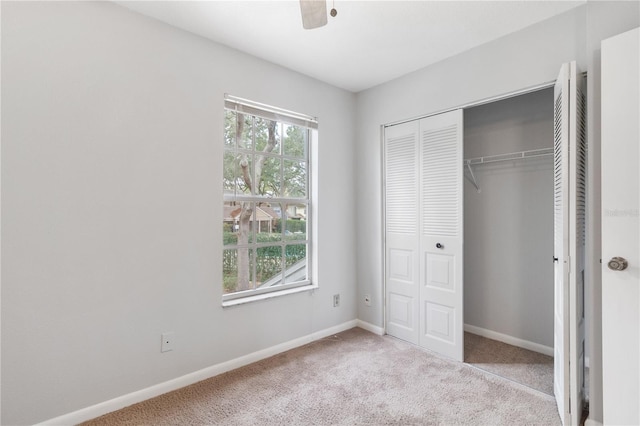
(368, 43)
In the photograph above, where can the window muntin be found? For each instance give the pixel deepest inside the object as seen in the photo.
(266, 182)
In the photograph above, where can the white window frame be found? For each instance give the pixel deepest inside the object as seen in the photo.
(251, 108)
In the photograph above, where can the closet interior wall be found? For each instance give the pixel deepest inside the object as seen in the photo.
(508, 223)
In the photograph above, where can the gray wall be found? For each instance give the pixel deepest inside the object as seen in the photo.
(508, 225)
(112, 130)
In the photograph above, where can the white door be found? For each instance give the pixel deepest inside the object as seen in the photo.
(441, 234)
(423, 233)
(569, 242)
(620, 229)
(401, 230)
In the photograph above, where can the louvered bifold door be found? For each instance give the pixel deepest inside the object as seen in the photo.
(569, 242)
(441, 236)
(561, 243)
(401, 230)
(577, 228)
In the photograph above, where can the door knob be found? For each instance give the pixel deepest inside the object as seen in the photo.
(618, 264)
(438, 245)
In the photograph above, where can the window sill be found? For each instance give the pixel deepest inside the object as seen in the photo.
(258, 297)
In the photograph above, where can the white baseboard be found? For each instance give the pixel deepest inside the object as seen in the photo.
(536, 347)
(114, 404)
(370, 327)
(591, 422)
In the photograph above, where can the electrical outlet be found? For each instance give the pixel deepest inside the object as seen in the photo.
(336, 300)
(367, 299)
(167, 342)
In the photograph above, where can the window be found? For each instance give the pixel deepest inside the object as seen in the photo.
(267, 202)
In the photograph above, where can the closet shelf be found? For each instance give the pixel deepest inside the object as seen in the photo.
(534, 153)
(511, 156)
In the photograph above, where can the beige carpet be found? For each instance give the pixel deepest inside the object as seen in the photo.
(530, 368)
(354, 378)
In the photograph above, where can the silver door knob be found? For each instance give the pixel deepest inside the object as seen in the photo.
(618, 264)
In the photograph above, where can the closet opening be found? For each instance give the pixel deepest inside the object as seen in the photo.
(509, 238)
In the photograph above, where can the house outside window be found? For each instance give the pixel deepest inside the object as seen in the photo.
(266, 180)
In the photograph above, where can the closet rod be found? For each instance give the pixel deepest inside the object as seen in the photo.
(510, 156)
(534, 153)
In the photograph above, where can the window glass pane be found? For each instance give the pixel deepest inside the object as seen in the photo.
(279, 211)
(229, 128)
(295, 263)
(246, 269)
(230, 172)
(295, 140)
(268, 174)
(230, 225)
(296, 223)
(229, 270)
(267, 136)
(245, 130)
(268, 222)
(243, 215)
(268, 266)
(295, 179)
(238, 270)
(244, 173)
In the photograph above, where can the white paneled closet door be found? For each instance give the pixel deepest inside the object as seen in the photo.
(423, 233)
(441, 266)
(621, 229)
(401, 230)
(569, 242)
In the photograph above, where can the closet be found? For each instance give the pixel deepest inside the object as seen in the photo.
(506, 215)
(508, 220)
(484, 214)
(509, 229)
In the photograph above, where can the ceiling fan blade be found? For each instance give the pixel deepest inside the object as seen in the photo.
(314, 13)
